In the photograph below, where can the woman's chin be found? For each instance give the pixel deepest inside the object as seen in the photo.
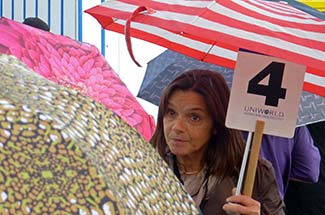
(178, 152)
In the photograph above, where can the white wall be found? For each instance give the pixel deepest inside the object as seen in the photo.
(49, 11)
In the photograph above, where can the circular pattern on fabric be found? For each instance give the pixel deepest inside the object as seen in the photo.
(63, 153)
(44, 172)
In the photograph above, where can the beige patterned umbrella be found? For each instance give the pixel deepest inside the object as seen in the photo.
(63, 153)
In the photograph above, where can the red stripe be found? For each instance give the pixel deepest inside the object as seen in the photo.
(317, 72)
(212, 42)
(104, 11)
(100, 13)
(314, 89)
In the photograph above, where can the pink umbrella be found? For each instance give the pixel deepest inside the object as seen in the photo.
(77, 65)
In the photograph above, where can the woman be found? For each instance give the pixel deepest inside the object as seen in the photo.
(205, 155)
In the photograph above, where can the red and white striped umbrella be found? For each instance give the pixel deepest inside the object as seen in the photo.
(213, 31)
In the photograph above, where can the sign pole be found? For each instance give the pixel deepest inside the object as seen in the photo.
(253, 158)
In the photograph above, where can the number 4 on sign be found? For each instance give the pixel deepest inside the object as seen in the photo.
(265, 88)
(273, 91)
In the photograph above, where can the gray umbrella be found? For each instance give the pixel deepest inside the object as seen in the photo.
(168, 65)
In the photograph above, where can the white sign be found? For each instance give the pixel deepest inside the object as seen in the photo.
(265, 88)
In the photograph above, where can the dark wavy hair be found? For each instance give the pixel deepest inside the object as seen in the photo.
(225, 150)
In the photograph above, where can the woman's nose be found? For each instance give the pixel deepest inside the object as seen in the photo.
(178, 124)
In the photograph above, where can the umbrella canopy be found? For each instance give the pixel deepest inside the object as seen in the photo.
(213, 31)
(168, 65)
(63, 153)
(75, 65)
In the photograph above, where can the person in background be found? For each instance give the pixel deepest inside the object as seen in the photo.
(309, 199)
(293, 158)
(36, 23)
(204, 154)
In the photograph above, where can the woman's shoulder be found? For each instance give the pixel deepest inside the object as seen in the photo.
(265, 176)
(265, 167)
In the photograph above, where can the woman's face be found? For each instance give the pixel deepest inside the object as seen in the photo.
(187, 124)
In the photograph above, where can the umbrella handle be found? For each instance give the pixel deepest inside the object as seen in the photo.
(127, 32)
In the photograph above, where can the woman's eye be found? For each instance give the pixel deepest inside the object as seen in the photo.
(195, 117)
(170, 112)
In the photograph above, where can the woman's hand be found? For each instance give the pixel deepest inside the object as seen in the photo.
(241, 204)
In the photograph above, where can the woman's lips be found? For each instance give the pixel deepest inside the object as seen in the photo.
(178, 141)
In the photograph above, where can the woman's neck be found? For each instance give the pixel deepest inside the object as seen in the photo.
(189, 166)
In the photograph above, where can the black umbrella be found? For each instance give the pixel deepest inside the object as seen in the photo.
(168, 65)
(63, 153)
